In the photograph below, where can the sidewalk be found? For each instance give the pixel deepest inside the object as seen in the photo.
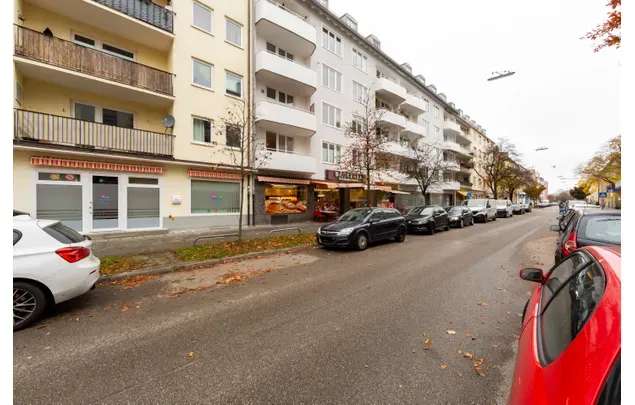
(131, 243)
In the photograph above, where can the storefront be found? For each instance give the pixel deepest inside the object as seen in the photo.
(282, 200)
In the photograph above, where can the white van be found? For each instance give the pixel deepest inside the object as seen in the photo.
(483, 209)
(504, 208)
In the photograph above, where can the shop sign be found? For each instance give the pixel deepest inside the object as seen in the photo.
(338, 175)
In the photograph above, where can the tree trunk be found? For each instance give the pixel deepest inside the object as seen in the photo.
(242, 196)
(368, 186)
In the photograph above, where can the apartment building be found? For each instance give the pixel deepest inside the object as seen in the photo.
(480, 144)
(118, 111)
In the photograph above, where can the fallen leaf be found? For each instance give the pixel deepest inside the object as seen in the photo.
(190, 355)
(427, 344)
(443, 366)
(483, 304)
(468, 355)
(124, 308)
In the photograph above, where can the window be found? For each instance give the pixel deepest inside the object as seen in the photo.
(233, 84)
(271, 48)
(566, 313)
(202, 130)
(233, 136)
(331, 153)
(82, 40)
(331, 78)
(360, 92)
(437, 131)
(85, 112)
(202, 73)
(97, 44)
(282, 97)
(213, 197)
(202, 17)
(331, 42)
(63, 233)
(143, 203)
(17, 235)
(357, 125)
(59, 197)
(117, 118)
(605, 229)
(437, 113)
(426, 125)
(426, 102)
(233, 32)
(117, 51)
(331, 115)
(280, 143)
(360, 61)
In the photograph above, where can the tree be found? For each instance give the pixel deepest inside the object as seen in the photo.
(246, 152)
(515, 178)
(578, 193)
(534, 189)
(608, 33)
(495, 165)
(366, 153)
(606, 164)
(427, 165)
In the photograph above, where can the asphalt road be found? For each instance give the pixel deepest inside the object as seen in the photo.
(318, 327)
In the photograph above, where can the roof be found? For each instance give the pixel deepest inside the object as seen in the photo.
(610, 257)
(600, 211)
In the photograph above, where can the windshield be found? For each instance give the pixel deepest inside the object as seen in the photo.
(476, 203)
(501, 203)
(422, 211)
(602, 229)
(575, 203)
(355, 215)
(455, 211)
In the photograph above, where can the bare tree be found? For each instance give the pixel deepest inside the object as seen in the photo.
(366, 154)
(495, 165)
(241, 144)
(515, 178)
(427, 165)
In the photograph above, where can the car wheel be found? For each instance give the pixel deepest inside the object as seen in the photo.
(447, 227)
(432, 229)
(29, 303)
(361, 241)
(401, 236)
(462, 223)
(472, 221)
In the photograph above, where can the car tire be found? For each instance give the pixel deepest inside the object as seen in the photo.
(432, 229)
(472, 221)
(447, 227)
(401, 236)
(462, 223)
(361, 241)
(29, 303)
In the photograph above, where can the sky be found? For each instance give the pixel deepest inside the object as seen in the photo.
(563, 95)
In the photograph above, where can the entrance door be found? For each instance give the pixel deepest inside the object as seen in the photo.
(105, 206)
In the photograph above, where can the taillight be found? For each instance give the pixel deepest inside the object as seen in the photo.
(570, 244)
(73, 254)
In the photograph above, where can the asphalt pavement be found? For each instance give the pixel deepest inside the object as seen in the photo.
(433, 320)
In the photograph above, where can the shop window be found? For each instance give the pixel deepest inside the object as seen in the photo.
(62, 202)
(285, 199)
(143, 207)
(211, 197)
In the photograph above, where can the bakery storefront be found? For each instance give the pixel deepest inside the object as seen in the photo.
(282, 200)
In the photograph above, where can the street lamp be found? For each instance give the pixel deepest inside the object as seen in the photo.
(500, 75)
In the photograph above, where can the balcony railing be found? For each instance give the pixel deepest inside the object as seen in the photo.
(57, 130)
(69, 55)
(143, 10)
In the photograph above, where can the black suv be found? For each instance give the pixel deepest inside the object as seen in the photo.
(428, 218)
(360, 226)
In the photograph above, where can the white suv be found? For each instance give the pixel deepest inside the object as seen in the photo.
(52, 263)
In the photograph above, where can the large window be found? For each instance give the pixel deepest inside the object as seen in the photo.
(279, 143)
(233, 84)
(117, 118)
(202, 130)
(331, 115)
(233, 32)
(59, 197)
(202, 73)
(360, 61)
(233, 136)
(331, 78)
(331, 42)
(202, 16)
(285, 199)
(143, 203)
(331, 153)
(360, 92)
(280, 96)
(213, 197)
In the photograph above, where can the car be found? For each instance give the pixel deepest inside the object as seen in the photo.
(427, 218)
(483, 209)
(588, 227)
(360, 226)
(460, 216)
(569, 345)
(576, 203)
(504, 209)
(518, 208)
(52, 263)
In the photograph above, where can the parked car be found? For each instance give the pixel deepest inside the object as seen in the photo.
(569, 345)
(504, 209)
(427, 219)
(576, 203)
(52, 263)
(588, 227)
(360, 226)
(483, 209)
(460, 216)
(518, 209)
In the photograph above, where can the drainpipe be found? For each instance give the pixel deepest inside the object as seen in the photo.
(250, 47)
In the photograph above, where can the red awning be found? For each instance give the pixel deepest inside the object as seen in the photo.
(92, 165)
(333, 185)
(282, 180)
(217, 175)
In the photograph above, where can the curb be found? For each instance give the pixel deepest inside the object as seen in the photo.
(184, 266)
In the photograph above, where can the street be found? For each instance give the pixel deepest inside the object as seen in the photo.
(431, 321)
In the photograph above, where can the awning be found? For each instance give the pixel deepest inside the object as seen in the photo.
(387, 189)
(400, 192)
(463, 193)
(333, 185)
(282, 180)
(93, 165)
(206, 174)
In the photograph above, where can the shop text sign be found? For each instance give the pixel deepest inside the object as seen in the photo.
(338, 175)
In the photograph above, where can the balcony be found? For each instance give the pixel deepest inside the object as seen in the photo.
(143, 21)
(399, 149)
(451, 185)
(413, 105)
(389, 119)
(390, 91)
(461, 152)
(290, 162)
(48, 129)
(63, 62)
(454, 129)
(285, 119)
(285, 75)
(414, 130)
(286, 28)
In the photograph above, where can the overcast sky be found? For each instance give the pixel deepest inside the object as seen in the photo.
(563, 96)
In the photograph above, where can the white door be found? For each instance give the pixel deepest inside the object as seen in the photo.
(104, 207)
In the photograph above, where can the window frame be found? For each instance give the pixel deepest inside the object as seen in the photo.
(240, 31)
(337, 50)
(338, 78)
(208, 214)
(239, 137)
(337, 153)
(194, 83)
(211, 130)
(336, 110)
(229, 73)
(16, 232)
(211, 17)
(360, 98)
(359, 55)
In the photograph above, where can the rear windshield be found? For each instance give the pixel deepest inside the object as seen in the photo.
(63, 233)
(455, 211)
(355, 215)
(606, 229)
(476, 203)
(422, 211)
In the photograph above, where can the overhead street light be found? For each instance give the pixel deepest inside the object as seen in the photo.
(542, 148)
(500, 75)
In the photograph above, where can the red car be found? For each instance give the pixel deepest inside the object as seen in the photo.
(569, 346)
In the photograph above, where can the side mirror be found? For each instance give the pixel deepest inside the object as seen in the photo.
(555, 228)
(532, 274)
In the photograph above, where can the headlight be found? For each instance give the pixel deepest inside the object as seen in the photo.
(454, 218)
(319, 230)
(345, 231)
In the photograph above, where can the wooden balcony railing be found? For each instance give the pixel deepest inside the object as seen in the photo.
(69, 55)
(144, 10)
(66, 131)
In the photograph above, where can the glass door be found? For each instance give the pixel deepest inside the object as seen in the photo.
(105, 204)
